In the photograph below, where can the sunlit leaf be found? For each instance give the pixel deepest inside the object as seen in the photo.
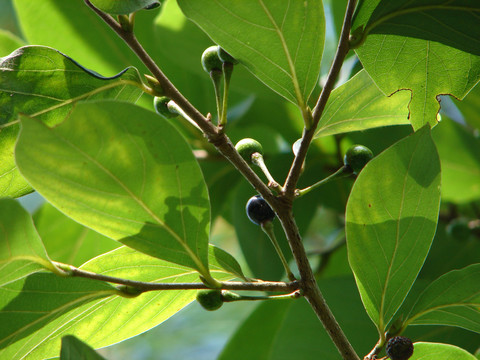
(453, 23)
(453, 299)
(21, 249)
(124, 172)
(67, 241)
(391, 219)
(425, 68)
(281, 43)
(93, 311)
(433, 351)
(459, 153)
(44, 83)
(359, 105)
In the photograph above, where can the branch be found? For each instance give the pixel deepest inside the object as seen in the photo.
(267, 286)
(307, 137)
(214, 136)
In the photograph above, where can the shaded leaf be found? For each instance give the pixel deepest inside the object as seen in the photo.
(67, 241)
(433, 351)
(391, 219)
(93, 311)
(425, 68)
(453, 23)
(453, 299)
(44, 83)
(359, 105)
(459, 153)
(281, 43)
(122, 7)
(74, 349)
(124, 172)
(21, 249)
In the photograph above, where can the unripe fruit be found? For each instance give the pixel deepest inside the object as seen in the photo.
(258, 210)
(458, 229)
(399, 348)
(161, 107)
(226, 57)
(210, 299)
(210, 59)
(357, 157)
(247, 147)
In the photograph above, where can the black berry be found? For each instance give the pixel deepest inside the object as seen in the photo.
(210, 59)
(399, 348)
(258, 210)
(210, 299)
(247, 147)
(357, 157)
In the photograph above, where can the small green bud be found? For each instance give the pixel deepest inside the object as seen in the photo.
(226, 57)
(399, 348)
(210, 59)
(357, 157)
(210, 299)
(247, 147)
(161, 107)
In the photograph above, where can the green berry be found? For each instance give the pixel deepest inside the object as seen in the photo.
(247, 147)
(210, 299)
(226, 57)
(458, 229)
(258, 210)
(357, 157)
(161, 107)
(399, 348)
(210, 59)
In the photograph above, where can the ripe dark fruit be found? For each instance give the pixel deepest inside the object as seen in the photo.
(161, 107)
(247, 147)
(357, 157)
(210, 299)
(210, 59)
(226, 57)
(258, 210)
(399, 348)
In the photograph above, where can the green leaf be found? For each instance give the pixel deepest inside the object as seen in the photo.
(425, 68)
(74, 29)
(461, 167)
(391, 220)
(279, 330)
(124, 172)
(433, 351)
(67, 241)
(453, 23)
(93, 311)
(74, 349)
(469, 107)
(21, 249)
(281, 43)
(123, 7)
(44, 83)
(223, 260)
(453, 299)
(359, 105)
